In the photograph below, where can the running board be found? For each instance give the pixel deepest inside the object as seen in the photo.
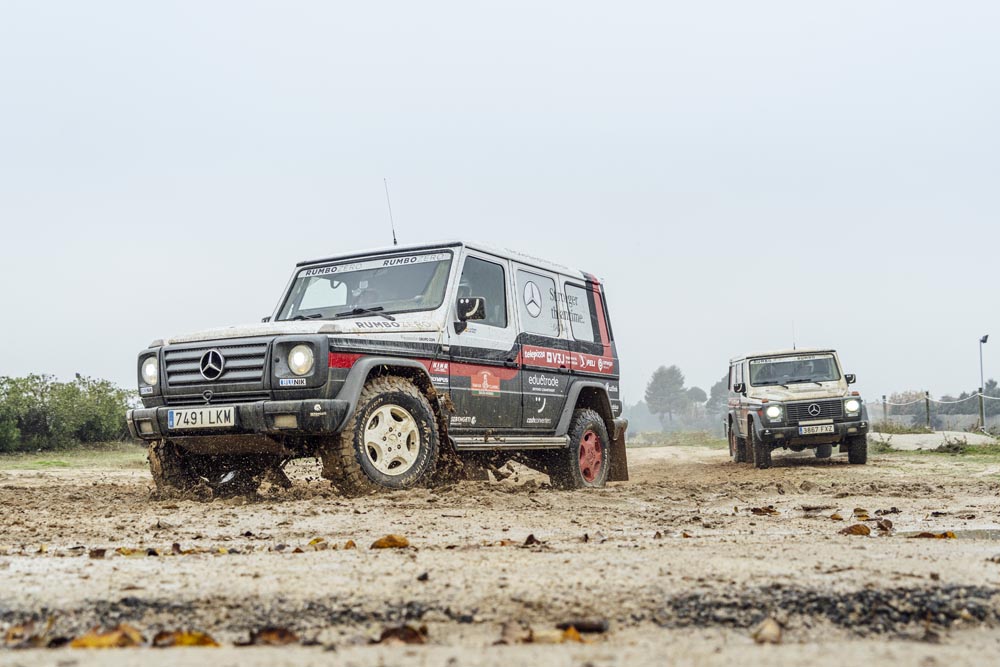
(515, 442)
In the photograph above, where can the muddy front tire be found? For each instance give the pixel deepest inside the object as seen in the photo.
(390, 442)
(587, 460)
(169, 468)
(857, 449)
(761, 451)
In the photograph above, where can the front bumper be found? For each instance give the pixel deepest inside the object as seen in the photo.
(779, 434)
(293, 418)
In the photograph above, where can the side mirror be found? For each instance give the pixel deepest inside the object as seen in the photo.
(739, 388)
(266, 319)
(471, 308)
(851, 378)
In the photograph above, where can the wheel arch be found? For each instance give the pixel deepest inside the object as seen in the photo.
(411, 369)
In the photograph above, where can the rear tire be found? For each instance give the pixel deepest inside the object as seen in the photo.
(390, 442)
(857, 449)
(761, 450)
(737, 446)
(587, 461)
(824, 451)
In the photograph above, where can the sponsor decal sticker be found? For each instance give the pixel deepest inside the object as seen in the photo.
(145, 390)
(292, 382)
(538, 420)
(469, 420)
(543, 384)
(331, 269)
(485, 383)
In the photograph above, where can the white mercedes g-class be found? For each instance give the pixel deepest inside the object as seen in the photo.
(392, 366)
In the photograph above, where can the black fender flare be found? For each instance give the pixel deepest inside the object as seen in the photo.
(573, 395)
(350, 391)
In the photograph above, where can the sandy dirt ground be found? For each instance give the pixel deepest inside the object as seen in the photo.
(683, 562)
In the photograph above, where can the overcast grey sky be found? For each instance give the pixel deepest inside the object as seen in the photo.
(726, 167)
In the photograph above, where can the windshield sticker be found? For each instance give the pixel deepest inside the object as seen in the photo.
(804, 357)
(368, 265)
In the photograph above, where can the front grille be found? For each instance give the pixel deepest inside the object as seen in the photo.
(244, 364)
(218, 399)
(828, 409)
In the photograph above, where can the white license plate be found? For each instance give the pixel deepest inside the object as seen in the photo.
(813, 430)
(201, 418)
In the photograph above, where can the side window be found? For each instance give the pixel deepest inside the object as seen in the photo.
(732, 376)
(486, 279)
(536, 301)
(582, 314)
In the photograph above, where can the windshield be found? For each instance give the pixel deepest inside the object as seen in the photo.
(387, 285)
(793, 369)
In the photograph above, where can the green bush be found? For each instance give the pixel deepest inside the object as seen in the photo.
(38, 412)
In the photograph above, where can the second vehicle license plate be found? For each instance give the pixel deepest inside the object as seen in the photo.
(813, 430)
(201, 418)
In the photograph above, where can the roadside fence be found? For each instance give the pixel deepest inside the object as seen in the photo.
(950, 420)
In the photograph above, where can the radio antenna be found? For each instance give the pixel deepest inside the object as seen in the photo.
(392, 223)
(794, 346)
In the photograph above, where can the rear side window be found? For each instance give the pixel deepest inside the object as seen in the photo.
(486, 279)
(536, 301)
(582, 314)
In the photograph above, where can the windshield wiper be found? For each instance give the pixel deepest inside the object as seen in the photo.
(314, 316)
(377, 310)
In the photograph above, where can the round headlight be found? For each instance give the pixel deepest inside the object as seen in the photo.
(301, 359)
(150, 371)
(773, 412)
(852, 405)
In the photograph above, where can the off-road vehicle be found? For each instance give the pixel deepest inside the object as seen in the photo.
(393, 367)
(794, 399)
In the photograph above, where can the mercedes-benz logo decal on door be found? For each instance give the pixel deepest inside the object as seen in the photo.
(815, 410)
(532, 299)
(212, 364)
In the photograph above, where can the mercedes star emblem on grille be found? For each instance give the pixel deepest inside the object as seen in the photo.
(212, 364)
(814, 409)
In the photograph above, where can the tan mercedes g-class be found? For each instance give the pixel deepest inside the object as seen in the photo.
(797, 400)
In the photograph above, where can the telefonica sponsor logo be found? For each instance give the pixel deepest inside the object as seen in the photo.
(534, 354)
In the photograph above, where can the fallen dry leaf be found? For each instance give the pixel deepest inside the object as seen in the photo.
(765, 511)
(884, 525)
(857, 529)
(271, 636)
(531, 540)
(26, 636)
(349, 544)
(403, 634)
(947, 535)
(768, 632)
(836, 517)
(183, 638)
(391, 542)
(97, 553)
(122, 636)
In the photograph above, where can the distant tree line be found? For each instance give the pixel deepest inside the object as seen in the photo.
(670, 405)
(39, 412)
